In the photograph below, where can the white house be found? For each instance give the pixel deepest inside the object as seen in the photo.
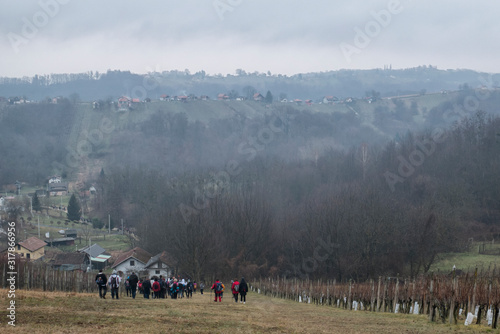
(160, 264)
(55, 179)
(132, 261)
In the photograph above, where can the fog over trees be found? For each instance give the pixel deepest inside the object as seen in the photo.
(338, 216)
(355, 189)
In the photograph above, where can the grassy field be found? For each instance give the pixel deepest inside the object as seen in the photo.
(467, 261)
(57, 312)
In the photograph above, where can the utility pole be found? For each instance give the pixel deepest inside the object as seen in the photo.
(122, 226)
(109, 224)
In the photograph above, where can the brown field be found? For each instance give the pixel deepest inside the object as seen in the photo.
(59, 312)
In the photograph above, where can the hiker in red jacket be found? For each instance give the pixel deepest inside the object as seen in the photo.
(235, 288)
(156, 288)
(218, 287)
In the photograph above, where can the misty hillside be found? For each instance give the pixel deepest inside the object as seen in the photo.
(386, 183)
(41, 139)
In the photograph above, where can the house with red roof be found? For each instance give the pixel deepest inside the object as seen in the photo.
(31, 248)
(132, 261)
(258, 97)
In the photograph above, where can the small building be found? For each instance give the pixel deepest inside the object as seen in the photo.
(71, 233)
(31, 248)
(98, 259)
(160, 264)
(330, 99)
(56, 242)
(58, 188)
(132, 261)
(71, 261)
(164, 97)
(222, 97)
(258, 97)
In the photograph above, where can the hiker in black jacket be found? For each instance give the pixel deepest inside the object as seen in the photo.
(133, 280)
(146, 287)
(243, 290)
(101, 281)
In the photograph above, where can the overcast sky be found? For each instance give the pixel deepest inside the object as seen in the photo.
(220, 36)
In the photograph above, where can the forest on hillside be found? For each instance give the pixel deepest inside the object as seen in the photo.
(377, 189)
(368, 211)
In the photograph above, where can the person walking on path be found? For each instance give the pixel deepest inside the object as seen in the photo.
(235, 288)
(202, 287)
(218, 287)
(133, 280)
(101, 281)
(243, 289)
(114, 284)
(146, 288)
(189, 289)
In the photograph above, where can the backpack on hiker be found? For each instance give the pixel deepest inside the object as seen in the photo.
(218, 287)
(114, 282)
(236, 288)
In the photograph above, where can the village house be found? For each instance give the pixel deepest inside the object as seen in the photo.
(55, 179)
(132, 261)
(58, 188)
(164, 97)
(160, 264)
(258, 97)
(31, 248)
(330, 99)
(222, 97)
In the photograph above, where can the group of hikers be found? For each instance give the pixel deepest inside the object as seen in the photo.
(160, 287)
(237, 288)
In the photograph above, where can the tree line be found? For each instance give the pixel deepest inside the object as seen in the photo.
(358, 213)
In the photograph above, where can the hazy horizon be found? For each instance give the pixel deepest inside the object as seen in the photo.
(56, 36)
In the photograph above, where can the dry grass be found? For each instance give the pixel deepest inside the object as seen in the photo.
(57, 312)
